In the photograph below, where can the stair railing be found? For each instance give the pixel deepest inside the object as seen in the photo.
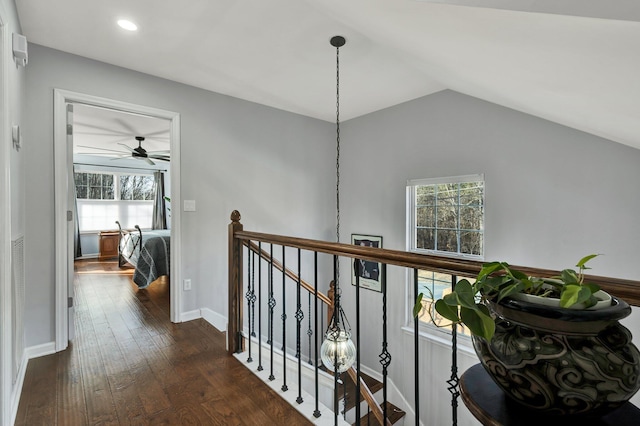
(239, 238)
(327, 300)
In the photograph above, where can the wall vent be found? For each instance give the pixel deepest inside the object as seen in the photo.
(18, 299)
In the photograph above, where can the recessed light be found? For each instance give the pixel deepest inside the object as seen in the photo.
(127, 25)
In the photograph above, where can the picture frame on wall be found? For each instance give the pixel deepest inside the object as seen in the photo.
(369, 272)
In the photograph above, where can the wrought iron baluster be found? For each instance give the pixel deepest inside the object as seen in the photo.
(284, 324)
(453, 382)
(357, 394)
(416, 332)
(316, 413)
(385, 356)
(310, 330)
(299, 318)
(250, 296)
(260, 306)
(272, 304)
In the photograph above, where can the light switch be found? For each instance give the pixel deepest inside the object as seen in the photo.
(189, 205)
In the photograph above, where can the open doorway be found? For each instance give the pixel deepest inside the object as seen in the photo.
(121, 145)
(121, 174)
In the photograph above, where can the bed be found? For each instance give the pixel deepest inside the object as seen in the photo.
(147, 251)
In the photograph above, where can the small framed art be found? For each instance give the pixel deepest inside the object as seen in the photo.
(368, 271)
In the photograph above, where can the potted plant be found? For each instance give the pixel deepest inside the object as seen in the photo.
(551, 344)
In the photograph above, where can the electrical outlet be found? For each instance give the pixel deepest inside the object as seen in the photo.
(187, 285)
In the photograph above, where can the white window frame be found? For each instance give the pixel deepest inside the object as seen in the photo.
(116, 183)
(119, 203)
(411, 217)
(426, 329)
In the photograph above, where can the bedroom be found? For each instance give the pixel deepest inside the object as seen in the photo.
(121, 167)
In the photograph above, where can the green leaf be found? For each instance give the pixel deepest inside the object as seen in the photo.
(418, 306)
(581, 263)
(478, 322)
(569, 295)
(492, 285)
(446, 311)
(569, 276)
(451, 299)
(507, 291)
(466, 294)
(573, 294)
(517, 274)
(490, 268)
(592, 287)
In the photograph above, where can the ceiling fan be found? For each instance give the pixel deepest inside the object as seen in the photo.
(139, 153)
(145, 155)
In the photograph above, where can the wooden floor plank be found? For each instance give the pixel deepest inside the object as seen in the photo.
(129, 365)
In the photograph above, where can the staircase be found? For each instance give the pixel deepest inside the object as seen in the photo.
(347, 401)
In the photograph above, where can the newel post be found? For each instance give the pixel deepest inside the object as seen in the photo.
(234, 328)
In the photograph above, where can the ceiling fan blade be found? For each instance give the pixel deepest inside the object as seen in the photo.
(126, 146)
(149, 161)
(109, 154)
(101, 149)
(160, 152)
(160, 157)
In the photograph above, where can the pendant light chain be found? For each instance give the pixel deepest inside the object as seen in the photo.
(337, 144)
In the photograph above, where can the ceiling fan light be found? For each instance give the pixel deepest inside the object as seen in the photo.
(127, 25)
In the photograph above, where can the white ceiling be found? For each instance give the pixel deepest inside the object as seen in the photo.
(574, 62)
(101, 134)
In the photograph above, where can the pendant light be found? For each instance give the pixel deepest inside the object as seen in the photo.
(338, 353)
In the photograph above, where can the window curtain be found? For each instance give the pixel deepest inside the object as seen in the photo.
(159, 217)
(76, 240)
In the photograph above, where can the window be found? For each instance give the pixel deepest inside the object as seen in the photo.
(94, 186)
(136, 187)
(445, 217)
(104, 198)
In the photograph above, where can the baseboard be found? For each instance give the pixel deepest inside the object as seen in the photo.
(215, 319)
(40, 350)
(29, 353)
(307, 407)
(190, 316)
(16, 390)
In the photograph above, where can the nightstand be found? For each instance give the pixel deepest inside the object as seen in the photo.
(108, 244)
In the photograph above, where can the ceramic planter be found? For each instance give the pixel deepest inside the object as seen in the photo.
(561, 361)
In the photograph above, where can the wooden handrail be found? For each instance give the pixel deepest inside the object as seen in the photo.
(266, 256)
(368, 396)
(628, 290)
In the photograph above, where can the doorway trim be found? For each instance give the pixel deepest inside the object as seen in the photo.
(6, 326)
(61, 195)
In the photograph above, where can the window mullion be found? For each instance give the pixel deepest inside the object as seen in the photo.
(116, 186)
(435, 218)
(458, 219)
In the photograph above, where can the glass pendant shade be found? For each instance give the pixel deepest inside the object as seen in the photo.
(338, 343)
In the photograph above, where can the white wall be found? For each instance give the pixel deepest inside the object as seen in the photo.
(553, 195)
(12, 202)
(235, 155)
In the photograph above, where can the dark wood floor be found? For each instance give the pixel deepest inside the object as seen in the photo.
(130, 365)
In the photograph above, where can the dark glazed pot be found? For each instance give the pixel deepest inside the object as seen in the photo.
(560, 361)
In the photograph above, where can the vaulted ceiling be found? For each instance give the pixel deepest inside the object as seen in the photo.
(574, 62)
